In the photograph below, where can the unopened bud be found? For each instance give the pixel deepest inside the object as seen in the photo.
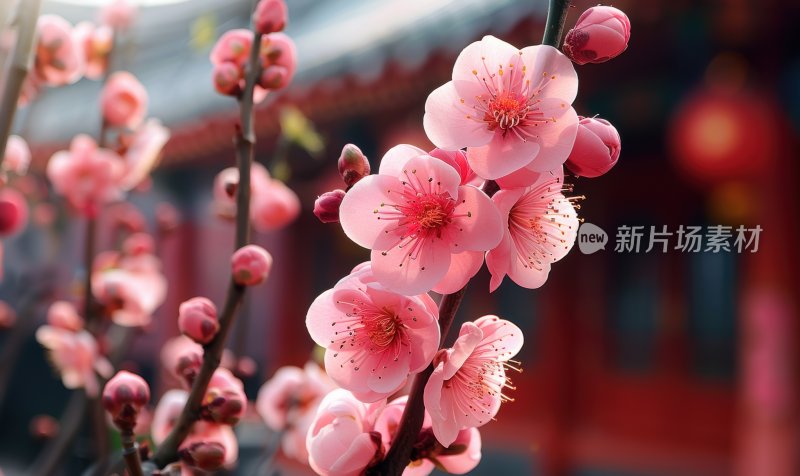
(203, 455)
(225, 400)
(167, 217)
(270, 16)
(326, 207)
(226, 78)
(197, 319)
(274, 77)
(123, 397)
(601, 33)
(596, 149)
(13, 212)
(250, 265)
(353, 165)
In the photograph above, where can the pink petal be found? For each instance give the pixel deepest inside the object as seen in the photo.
(477, 224)
(357, 212)
(543, 62)
(481, 61)
(387, 373)
(356, 458)
(502, 155)
(555, 138)
(501, 339)
(498, 262)
(525, 177)
(409, 276)
(469, 336)
(321, 316)
(395, 159)
(431, 175)
(463, 266)
(467, 461)
(453, 124)
(432, 395)
(426, 343)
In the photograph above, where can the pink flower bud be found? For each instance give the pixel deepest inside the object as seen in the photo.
(197, 319)
(13, 212)
(250, 265)
(227, 76)
(270, 16)
(203, 455)
(139, 244)
(353, 165)
(277, 49)
(62, 314)
(326, 207)
(601, 33)
(274, 77)
(225, 400)
(44, 427)
(17, 156)
(234, 46)
(167, 217)
(124, 100)
(123, 397)
(596, 150)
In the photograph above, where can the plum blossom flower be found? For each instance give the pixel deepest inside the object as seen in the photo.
(17, 156)
(288, 402)
(59, 57)
(466, 387)
(76, 357)
(123, 100)
(63, 315)
(511, 107)
(97, 42)
(270, 16)
(415, 216)
(374, 338)
(86, 175)
(143, 153)
(119, 14)
(461, 457)
(341, 441)
(540, 226)
(131, 288)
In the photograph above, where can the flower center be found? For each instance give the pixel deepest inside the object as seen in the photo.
(383, 329)
(506, 111)
(431, 213)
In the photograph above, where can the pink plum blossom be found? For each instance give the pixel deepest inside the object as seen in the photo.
(274, 207)
(76, 357)
(415, 216)
(596, 149)
(59, 57)
(17, 156)
(511, 107)
(601, 33)
(288, 402)
(197, 319)
(233, 46)
(119, 14)
(540, 226)
(270, 16)
(143, 153)
(373, 338)
(97, 42)
(131, 289)
(63, 315)
(341, 441)
(123, 100)
(466, 387)
(227, 78)
(86, 175)
(13, 212)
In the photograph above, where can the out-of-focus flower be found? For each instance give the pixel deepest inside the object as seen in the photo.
(167, 217)
(353, 164)
(540, 228)
(13, 212)
(250, 265)
(270, 16)
(273, 207)
(233, 46)
(466, 387)
(225, 400)
(227, 78)
(132, 290)
(138, 244)
(182, 357)
(326, 206)
(511, 107)
(86, 175)
(203, 455)
(97, 42)
(123, 397)
(197, 319)
(123, 100)
(43, 427)
(7, 315)
(279, 62)
(63, 315)
(17, 156)
(414, 215)
(143, 153)
(76, 357)
(59, 57)
(373, 337)
(601, 33)
(596, 149)
(119, 14)
(341, 440)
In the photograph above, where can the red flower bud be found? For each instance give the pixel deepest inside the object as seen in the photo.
(600, 34)
(203, 455)
(226, 78)
(123, 396)
(353, 165)
(596, 150)
(225, 400)
(270, 16)
(274, 77)
(197, 319)
(250, 265)
(326, 207)
(13, 212)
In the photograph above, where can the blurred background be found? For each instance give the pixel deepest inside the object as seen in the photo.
(635, 364)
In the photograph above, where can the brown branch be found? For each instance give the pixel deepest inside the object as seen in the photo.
(130, 453)
(245, 142)
(18, 67)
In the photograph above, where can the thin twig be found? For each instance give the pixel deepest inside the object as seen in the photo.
(18, 67)
(245, 142)
(130, 453)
